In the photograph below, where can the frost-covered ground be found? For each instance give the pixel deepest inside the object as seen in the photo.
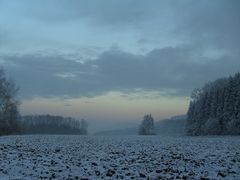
(125, 157)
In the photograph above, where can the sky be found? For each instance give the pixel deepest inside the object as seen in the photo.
(113, 61)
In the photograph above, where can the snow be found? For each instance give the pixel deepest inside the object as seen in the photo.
(119, 157)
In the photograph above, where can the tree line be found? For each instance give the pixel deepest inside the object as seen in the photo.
(215, 108)
(48, 124)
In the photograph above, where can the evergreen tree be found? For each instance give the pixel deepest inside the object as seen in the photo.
(215, 109)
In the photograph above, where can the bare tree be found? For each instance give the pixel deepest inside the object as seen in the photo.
(9, 115)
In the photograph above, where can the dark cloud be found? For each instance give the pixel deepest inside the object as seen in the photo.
(161, 69)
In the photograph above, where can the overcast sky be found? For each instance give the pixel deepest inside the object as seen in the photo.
(113, 61)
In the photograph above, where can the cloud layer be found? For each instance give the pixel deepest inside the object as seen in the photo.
(169, 69)
(78, 48)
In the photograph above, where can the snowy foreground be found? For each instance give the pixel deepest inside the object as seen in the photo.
(125, 157)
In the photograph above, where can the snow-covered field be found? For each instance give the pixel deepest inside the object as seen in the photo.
(125, 157)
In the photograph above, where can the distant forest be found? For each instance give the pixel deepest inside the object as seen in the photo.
(215, 108)
(47, 124)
